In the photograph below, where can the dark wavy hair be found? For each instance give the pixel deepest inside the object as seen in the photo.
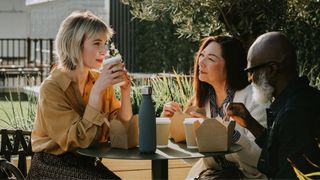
(234, 55)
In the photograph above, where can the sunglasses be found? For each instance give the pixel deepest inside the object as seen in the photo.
(254, 68)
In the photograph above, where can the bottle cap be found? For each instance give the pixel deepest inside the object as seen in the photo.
(146, 90)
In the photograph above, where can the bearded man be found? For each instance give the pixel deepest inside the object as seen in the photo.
(293, 117)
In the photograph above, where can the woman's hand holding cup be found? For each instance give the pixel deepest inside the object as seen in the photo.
(116, 69)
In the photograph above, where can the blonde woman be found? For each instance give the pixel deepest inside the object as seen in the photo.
(77, 102)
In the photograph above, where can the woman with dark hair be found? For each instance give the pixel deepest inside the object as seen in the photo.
(219, 79)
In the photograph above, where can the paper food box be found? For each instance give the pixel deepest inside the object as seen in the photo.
(214, 135)
(124, 135)
(176, 125)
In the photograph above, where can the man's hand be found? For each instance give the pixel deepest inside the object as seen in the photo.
(242, 116)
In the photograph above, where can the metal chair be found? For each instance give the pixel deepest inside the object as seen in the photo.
(15, 143)
(9, 171)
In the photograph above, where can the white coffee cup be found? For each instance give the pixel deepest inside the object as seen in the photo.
(116, 61)
(189, 132)
(162, 124)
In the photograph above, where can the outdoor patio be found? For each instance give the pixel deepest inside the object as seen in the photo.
(140, 169)
(158, 43)
(133, 169)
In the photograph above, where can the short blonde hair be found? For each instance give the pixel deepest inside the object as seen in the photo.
(72, 33)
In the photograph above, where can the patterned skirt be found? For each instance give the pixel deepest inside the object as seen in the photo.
(67, 166)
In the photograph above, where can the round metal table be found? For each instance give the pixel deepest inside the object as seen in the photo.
(159, 158)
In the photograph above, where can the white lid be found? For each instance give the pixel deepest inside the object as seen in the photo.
(146, 90)
(192, 120)
(163, 120)
(116, 59)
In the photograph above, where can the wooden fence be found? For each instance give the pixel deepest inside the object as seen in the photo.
(24, 61)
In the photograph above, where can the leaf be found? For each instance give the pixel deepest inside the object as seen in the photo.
(313, 164)
(313, 174)
(299, 174)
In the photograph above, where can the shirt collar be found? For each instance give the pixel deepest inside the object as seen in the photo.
(215, 110)
(62, 79)
(294, 86)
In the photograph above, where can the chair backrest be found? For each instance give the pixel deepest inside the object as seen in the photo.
(16, 142)
(9, 171)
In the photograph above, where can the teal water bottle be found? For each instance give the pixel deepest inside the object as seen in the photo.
(147, 122)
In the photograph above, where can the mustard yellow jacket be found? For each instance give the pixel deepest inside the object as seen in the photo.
(64, 121)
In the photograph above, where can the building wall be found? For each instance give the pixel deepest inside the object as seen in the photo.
(37, 19)
(45, 18)
(13, 19)
(42, 19)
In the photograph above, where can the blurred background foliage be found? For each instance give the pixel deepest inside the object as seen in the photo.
(17, 112)
(165, 87)
(159, 49)
(173, 28)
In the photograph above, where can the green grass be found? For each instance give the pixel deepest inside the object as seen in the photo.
(7, 105)
(16, 115)
(172, 87)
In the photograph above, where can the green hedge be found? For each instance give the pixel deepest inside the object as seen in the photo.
(164, 21)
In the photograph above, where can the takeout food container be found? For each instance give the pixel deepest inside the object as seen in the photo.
(214, 134)
(124, 135)
(176, 125)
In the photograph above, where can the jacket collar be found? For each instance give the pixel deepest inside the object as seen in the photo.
(63, 79)
(293, 87)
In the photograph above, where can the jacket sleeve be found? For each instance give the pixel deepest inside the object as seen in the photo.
(63, 125)
(111, 109)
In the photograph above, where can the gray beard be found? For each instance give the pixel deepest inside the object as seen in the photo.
(262, 91)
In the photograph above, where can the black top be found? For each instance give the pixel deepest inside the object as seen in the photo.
(293, 126)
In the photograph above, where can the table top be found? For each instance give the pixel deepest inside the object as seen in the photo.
(173, 151)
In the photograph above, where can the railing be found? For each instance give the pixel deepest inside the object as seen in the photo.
(25, 61)
(123, 24)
